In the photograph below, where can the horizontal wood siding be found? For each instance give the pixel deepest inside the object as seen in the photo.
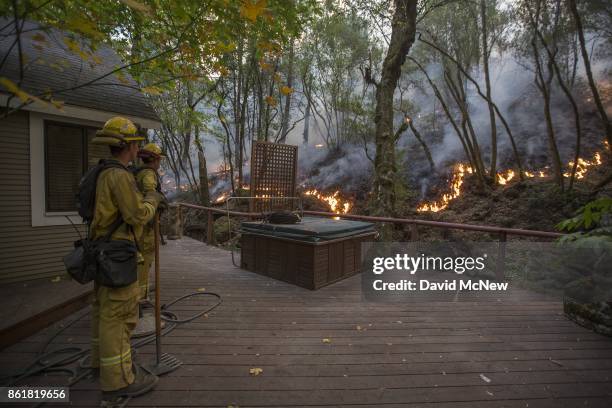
(26, 252)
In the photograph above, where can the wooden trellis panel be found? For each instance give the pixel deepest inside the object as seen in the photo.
(273, 175)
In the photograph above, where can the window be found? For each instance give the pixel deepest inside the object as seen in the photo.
(68, 155)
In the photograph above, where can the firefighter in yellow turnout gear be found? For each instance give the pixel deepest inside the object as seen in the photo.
(115, 310)
(147, 178)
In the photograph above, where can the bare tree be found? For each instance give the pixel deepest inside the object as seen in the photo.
(589, 72)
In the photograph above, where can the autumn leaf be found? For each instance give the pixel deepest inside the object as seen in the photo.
(201, 289)
(56, 279)
(286, 90)
(58, 104)
(269, 46)
(270, 100)
(326, 341)
(138, 6)
(153, 90)
(121, 77)
(76, 48)
(255, 371)
(252, 10)
(83, 26)
(277, 77)
(224, 48)
(38, 37)
(23, 96)
(56, 67)
(223, 71)
(264, 65)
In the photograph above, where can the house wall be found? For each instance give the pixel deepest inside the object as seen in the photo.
(26, 252)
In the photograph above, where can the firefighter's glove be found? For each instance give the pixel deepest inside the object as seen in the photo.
(154, 198)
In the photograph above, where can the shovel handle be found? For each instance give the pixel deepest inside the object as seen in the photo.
(157, 299)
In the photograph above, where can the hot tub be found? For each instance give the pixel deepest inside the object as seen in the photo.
(313, 253)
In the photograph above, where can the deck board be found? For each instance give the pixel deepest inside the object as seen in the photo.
(421, 353)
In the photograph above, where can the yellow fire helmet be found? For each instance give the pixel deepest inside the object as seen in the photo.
(117, 131)
(151, 150)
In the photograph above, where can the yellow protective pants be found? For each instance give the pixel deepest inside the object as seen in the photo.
(114, 316)
(143, 273)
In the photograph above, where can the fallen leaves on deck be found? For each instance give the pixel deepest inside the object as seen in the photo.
(255, 371)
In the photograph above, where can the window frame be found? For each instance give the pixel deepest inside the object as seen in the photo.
(84, 157)
(39, 216)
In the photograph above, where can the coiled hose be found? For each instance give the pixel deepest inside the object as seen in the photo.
(58, 360)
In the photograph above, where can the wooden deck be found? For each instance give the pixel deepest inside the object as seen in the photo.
(513, 350)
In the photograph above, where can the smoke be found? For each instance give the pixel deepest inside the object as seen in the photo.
(348, 167)
(521, 103)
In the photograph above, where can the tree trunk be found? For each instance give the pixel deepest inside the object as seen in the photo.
(306, 123)
(204, 192)
(287, 108)
(238, 111)
(485, 60)
(418, 136)
(589, 72)
(543, 85)
(403, 29)
(570, 97)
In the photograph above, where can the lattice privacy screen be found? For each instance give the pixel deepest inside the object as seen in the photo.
(273, 176)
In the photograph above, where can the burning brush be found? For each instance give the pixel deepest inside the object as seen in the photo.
(334, 201)
(503, 178)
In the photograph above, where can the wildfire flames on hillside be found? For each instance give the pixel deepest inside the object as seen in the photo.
(460, 171)
(503, 178)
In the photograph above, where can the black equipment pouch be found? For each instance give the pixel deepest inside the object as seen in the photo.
(117, 263)
(80, 263)
(109, 262)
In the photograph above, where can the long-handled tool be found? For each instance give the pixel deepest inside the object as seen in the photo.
(164, 363)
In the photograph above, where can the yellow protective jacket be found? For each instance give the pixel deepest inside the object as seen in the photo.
(146, 179)
(117, 193)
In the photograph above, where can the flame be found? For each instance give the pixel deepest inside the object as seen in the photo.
(333, 200)
(503, 178)
(583, 166)
(222, 197)
(457, 178)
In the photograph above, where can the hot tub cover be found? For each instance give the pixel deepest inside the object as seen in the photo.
(309, 229)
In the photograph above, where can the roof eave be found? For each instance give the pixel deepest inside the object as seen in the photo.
(79, 112)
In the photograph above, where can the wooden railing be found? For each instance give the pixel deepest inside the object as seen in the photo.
(413, 224)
